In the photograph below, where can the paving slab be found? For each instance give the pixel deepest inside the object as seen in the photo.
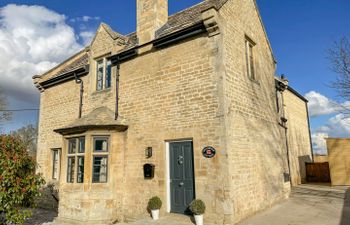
(309, 205)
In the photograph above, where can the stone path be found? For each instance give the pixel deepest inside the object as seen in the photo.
(309, 205)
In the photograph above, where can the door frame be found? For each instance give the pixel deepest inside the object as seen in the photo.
(167, 170)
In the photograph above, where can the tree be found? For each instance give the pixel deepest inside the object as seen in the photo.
(4, 116)
(28, 134)
(339, 56)
(19, 185)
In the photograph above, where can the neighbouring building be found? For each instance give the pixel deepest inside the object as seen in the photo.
(339, 160)
(191, 98)
(320, 158)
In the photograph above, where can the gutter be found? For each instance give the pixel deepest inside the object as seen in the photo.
(160, 42)
(131, 53)
(297, 94)
(82, 71)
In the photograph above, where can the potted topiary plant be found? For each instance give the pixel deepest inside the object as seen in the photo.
(197, 207)
(154, 204)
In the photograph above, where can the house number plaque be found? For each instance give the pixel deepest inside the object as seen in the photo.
(209, 152)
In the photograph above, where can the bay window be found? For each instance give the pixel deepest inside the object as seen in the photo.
(100, 159)
(75, 160)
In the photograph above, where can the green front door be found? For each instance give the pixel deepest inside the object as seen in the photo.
(181, 176)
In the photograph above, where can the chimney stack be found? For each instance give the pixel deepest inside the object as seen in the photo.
(151, 15)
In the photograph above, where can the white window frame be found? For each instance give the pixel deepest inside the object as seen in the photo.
(100, 154)
(105, 64)
(56, 163)
(250, 60)
(75, 155)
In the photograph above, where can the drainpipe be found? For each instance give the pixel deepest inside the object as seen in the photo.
(117, 90)
(284, 121)
(80, 81)
(281, 87)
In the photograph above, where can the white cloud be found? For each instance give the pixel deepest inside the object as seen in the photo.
(337, 126)
(319, 142)
(32, 40)
(85, 19)
(321, 105)
(87, 36)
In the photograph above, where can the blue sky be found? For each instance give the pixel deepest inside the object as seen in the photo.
(300, 32)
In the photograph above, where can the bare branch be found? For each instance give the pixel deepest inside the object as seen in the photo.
(339, 57)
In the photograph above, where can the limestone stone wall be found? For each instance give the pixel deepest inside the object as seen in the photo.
(151, 15)
(94, 203)
(255, 140)
(320, 158)
(298, 136)
(167, 95)
(195, 90)
(59, 106)
(339, 160)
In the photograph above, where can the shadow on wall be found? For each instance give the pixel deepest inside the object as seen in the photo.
(345, 218)
(302, 169)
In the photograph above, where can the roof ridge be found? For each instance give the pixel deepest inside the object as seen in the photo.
(183, 10)
(111, 32)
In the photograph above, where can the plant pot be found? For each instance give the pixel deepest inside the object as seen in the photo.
(155, 214)
(198, 219)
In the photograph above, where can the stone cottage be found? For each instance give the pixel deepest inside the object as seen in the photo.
(185, 107)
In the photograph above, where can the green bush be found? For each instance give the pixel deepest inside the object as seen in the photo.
(197, 207)
(154, 203)
(19, 185)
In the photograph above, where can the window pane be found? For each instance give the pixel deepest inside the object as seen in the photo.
(81, 145)
(55, 163)
(70, 169)
(101, 144)
(251, 61)
(100, 169)
(99, 75)
(72, 145)
(247, 57)
(108, 74)
(80, 172)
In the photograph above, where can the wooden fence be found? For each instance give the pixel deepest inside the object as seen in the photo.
(318, 172)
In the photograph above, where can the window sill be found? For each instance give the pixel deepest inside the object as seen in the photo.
(108, 90)
(254, 81)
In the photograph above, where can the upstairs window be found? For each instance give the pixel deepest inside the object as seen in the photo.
(103, 74)
(249, 45)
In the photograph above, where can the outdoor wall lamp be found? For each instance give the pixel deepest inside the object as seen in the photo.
(148, 152)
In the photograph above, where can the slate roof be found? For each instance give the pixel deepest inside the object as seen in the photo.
(188, 17)
(80, 62)
(99, 118)
(176, 22)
